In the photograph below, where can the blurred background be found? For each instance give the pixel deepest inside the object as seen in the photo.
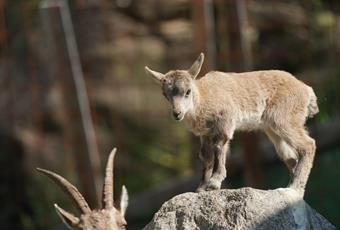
(73, 86)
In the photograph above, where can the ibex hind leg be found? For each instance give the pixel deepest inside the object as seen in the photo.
(304, 146)
(285, 152)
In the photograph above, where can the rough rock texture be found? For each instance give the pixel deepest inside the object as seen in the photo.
(244, 208)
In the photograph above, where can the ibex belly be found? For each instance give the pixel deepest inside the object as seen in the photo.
(249, 124)
(248, 121)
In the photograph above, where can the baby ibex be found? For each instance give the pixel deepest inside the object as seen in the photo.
(216, 105)
(108, 218)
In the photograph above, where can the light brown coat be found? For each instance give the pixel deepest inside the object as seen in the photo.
(218, 104)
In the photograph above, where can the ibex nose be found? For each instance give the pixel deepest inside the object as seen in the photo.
(176, 114)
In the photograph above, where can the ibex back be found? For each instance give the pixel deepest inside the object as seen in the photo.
(216, 105)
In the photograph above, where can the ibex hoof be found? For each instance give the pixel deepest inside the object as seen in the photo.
(213, 184)
(209, 186)
(298, 189)
(200, 189)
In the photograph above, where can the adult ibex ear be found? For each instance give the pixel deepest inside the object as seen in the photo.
(69, 219)
(196, 67)
(124, 200)
(155, 75)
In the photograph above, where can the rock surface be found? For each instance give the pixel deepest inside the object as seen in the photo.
(244, 208)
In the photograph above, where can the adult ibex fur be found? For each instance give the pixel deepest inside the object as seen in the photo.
(108, 218)
(216, 105)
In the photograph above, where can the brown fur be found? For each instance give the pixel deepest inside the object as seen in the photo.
(218, 104)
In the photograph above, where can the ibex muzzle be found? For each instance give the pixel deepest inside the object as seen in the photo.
(108, 218)
(218, 104)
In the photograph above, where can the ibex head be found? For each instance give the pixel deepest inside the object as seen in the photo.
(178, 87)
(108, 218)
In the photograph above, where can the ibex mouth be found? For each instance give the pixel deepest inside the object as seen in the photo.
(179, 118)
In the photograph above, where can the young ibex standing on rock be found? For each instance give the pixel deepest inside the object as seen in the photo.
(108, 218)
(216, 105)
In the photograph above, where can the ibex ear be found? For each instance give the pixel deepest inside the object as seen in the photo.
(155, 75)
(124, 200)
(69, 219)
(196, 67)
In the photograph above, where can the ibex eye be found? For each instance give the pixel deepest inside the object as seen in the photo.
(188, 93)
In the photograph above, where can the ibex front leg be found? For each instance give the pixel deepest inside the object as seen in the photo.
(206, 156)
(213, 155)
(220, 148)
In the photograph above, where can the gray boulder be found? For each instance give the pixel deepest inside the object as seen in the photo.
(244, 208)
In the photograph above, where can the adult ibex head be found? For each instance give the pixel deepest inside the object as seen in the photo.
(108, 218)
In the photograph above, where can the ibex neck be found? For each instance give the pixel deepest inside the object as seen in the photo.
(196, 101)
(194, 120)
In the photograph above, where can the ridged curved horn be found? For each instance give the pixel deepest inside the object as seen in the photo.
(68, 218)
(108, 183)
(75, 195)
